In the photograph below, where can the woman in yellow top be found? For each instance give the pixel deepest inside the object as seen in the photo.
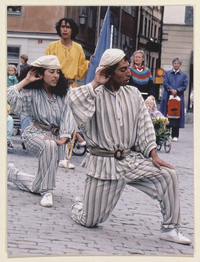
(70, 54)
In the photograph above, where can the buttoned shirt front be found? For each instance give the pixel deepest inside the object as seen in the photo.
(72, 59)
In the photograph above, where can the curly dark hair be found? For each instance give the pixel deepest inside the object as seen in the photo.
(73, 26)
(60, 89)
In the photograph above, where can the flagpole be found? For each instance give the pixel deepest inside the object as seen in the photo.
(98, 23)
(111, 36)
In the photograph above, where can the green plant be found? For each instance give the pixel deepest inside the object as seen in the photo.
(161, 130)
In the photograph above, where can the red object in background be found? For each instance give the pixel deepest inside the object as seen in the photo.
(174, 107)
(160, 72)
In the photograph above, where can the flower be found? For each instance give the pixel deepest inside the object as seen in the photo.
(162, 132)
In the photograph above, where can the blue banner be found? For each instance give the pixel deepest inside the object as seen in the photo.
(102, 45)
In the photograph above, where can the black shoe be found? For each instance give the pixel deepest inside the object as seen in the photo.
(10, 144)
(23, 146)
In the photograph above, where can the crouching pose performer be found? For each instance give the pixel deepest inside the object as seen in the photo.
(117, 127)
(43, 96)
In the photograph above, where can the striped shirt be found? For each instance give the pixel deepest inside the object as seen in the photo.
(38, 106)
(112, 120)
(142, 80)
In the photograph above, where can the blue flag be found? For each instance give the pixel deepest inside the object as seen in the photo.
(102, 45)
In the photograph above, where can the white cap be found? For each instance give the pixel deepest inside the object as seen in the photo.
(110, 57)
(47, 61)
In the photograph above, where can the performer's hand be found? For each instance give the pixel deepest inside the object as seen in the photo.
(101, 77)
(33, 75)
(159, 162)
(59, 142)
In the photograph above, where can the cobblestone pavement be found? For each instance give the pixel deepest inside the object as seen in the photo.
(131, 229)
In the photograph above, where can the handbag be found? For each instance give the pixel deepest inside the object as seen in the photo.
(174, 107)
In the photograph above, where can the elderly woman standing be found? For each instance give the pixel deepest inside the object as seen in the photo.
(175, 83)
(43, 96)
(141, 75)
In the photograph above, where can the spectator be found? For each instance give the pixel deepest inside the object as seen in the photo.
(11, 75)
(175, 83)
(11, 80)
(141, 75)
(70, 54)
(152, 108)
(23, 60)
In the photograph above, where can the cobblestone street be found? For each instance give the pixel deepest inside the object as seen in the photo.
(132, 228)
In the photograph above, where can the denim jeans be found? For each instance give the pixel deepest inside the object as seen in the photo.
(25, 122)
(9, 127)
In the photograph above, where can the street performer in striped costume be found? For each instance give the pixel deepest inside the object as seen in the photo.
(43, 96)
(119, 131)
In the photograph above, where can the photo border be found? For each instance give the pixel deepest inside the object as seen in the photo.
(3, 132)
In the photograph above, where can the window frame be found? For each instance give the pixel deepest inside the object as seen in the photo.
(14, 12)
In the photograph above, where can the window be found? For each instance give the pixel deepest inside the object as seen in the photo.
(152, 66)
(115, 37)
(127, 40)
(155, 31)
(13, 55)
(159, 34)
(131, 47)
(133, 11)
(83, 9)
(91, 17)
(17, 10)
(149, 29)
(189, 15)
(131, 43)
(129, 9)
(141, 25)
(123, 41)
(145, 26)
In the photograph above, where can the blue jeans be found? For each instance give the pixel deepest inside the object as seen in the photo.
(25, 122)
(9, 127)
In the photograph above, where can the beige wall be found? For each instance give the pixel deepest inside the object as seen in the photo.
(40, 19)
(179, 43)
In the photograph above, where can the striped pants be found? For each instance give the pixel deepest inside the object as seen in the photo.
(44, 180)
(101, 196)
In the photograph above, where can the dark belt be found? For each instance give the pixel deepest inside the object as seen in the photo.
(52, 128)
(118, 154)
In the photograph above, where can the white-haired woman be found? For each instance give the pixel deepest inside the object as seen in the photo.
(43, 96)
(175, 83)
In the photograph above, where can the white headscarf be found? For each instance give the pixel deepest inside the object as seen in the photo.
(110, 57)
(47, 61)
